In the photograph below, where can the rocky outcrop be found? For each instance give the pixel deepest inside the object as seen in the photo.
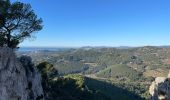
(19, 79)
(160, 88)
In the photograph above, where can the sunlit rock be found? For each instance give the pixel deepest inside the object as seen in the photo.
(19, 79)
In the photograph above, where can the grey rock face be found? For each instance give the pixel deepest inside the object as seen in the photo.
(19, 79)
(160, 89)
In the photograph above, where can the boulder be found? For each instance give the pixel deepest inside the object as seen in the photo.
(160, 89)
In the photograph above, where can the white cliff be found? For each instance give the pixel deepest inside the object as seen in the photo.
(19, 79)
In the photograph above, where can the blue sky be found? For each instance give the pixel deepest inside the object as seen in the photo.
(101, 23)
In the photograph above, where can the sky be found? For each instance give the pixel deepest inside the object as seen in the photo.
(76, 23)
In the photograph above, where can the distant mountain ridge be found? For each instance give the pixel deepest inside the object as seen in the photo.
(24, 49)
(27, 49)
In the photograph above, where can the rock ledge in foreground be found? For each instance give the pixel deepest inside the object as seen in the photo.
(19, 79)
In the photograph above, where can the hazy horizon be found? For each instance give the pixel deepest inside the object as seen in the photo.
(91, 46)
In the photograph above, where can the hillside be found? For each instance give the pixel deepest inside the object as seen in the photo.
(122, 72)
(78, 87)
(132, 69)
(93, 60)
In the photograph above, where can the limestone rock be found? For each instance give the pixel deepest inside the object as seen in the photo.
(160, 89)
(19, 79)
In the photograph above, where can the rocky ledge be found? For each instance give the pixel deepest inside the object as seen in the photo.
(160, 88)
(19, 79)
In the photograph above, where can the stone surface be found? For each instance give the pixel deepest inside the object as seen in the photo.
(19, 79)
(160, 88)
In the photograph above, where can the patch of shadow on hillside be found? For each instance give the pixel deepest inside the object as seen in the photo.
(68, 89)
(110, 91)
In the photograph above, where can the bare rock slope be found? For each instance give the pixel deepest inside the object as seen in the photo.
(19, 79)
(160, 88)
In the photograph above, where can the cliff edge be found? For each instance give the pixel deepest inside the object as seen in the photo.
(19, 79)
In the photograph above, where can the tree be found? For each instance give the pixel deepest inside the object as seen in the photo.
(48, 73)
(17, 22)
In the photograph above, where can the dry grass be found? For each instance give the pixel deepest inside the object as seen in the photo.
(156, 73)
